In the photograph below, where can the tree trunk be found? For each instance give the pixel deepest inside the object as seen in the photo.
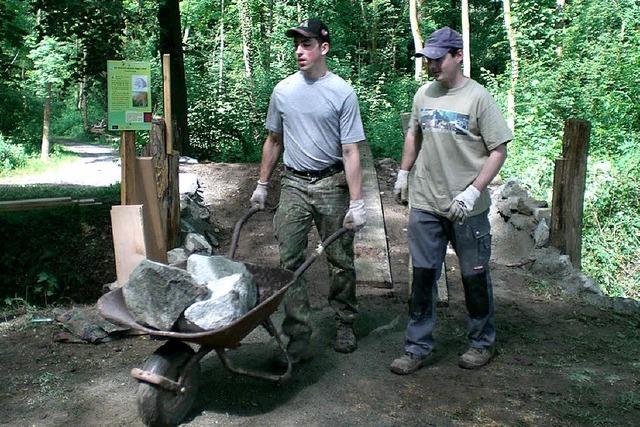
(221, 61)
(559, 23)
(511, 36)
(417, 38)
(245, 31)
(266, 28)
(466, 61)
(44, 153)
(171, 42)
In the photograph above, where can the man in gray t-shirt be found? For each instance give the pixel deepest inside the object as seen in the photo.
(315, 119)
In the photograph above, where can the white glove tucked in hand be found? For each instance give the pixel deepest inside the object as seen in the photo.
(356, 217)
(401, 187)
(462, 204)
(259, 196)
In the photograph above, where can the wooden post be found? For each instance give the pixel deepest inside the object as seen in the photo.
(168, 118)
(128, 166)
(569, 182)
(166, 173)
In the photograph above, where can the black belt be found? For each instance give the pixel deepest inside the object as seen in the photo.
(316, 175)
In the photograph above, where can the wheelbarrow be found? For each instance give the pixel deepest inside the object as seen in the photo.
(168, 381)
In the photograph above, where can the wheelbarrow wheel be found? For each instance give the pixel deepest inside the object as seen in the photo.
(158, 406)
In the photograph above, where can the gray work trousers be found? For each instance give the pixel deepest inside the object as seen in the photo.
(429, 235)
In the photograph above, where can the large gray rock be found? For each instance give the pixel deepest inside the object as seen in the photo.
(231, 297)
(177, 256)
(512, 188)
(156, 294)
(209, 268)
(549, 262)
(198, 244)
(541, 234)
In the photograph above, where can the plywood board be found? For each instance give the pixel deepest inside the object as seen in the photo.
(128, 239)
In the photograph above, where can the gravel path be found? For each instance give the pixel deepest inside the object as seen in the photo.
(97, 166)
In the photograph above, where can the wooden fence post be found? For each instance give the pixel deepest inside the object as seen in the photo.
(569, 182)
(128, 166)
(166, 175)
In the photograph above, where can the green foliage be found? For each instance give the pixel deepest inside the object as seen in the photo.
(50, 58)
(11, 155)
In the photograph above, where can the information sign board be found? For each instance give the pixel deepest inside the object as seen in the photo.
(129, 95)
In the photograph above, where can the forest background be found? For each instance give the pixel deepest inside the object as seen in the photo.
(549, 61)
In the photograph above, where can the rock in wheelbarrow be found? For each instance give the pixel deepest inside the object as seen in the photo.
(156, 294)
(233, 293)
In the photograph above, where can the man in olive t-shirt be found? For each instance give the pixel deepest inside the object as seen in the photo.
(455, 146)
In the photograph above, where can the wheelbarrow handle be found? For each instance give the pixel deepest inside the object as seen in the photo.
(236, 231)
(315, 254)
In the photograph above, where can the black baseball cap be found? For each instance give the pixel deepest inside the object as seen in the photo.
(312, 28)
(440, 42)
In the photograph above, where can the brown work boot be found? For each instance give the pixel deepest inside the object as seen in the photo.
(406, 364)
(345, 338)
(475, 357)
(299, 351)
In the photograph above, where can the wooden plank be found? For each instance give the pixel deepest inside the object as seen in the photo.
(127, 165)
(128, 239)
(44, 203)
(168, 117)
(146, 195)
(370, 244)
(566, 230)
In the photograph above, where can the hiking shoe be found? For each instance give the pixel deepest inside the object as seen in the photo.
(279, 359)
(345, 338)
(408, 363)
(475, 357)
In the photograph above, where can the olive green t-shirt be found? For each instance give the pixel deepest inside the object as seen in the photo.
(458, 128)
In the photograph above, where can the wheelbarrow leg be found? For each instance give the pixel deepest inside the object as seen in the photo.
(269, 326)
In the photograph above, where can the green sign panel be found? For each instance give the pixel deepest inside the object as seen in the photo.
(129, 90)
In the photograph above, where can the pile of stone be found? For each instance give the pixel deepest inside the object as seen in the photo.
(197, 226)
(211, 293)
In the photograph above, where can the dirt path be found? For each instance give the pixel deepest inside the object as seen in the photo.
(560, 362)
(97, 166)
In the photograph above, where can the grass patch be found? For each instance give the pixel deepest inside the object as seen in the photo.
(35, 165)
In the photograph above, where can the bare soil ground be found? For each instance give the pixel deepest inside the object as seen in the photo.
(560, 361)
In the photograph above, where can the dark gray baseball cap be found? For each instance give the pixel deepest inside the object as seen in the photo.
(440, 42)
(312, 28)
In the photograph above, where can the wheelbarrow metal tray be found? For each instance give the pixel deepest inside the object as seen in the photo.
(272, 284)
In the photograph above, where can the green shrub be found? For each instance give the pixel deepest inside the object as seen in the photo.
(11, 155)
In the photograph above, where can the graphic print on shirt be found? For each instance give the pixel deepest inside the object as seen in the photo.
(444, 121)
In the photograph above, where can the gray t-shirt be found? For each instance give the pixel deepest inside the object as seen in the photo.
(314, 117)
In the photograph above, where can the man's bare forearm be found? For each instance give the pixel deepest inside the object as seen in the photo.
(491, 167)
(352, 170)
(409, 151)
(271, 151)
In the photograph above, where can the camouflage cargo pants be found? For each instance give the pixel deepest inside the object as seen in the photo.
(305, 202)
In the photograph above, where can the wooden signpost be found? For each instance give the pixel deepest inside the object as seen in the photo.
(148, 220)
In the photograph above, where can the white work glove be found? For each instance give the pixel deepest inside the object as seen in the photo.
(259, 196)
(401, 187)
(462, 204)
(356, 217)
